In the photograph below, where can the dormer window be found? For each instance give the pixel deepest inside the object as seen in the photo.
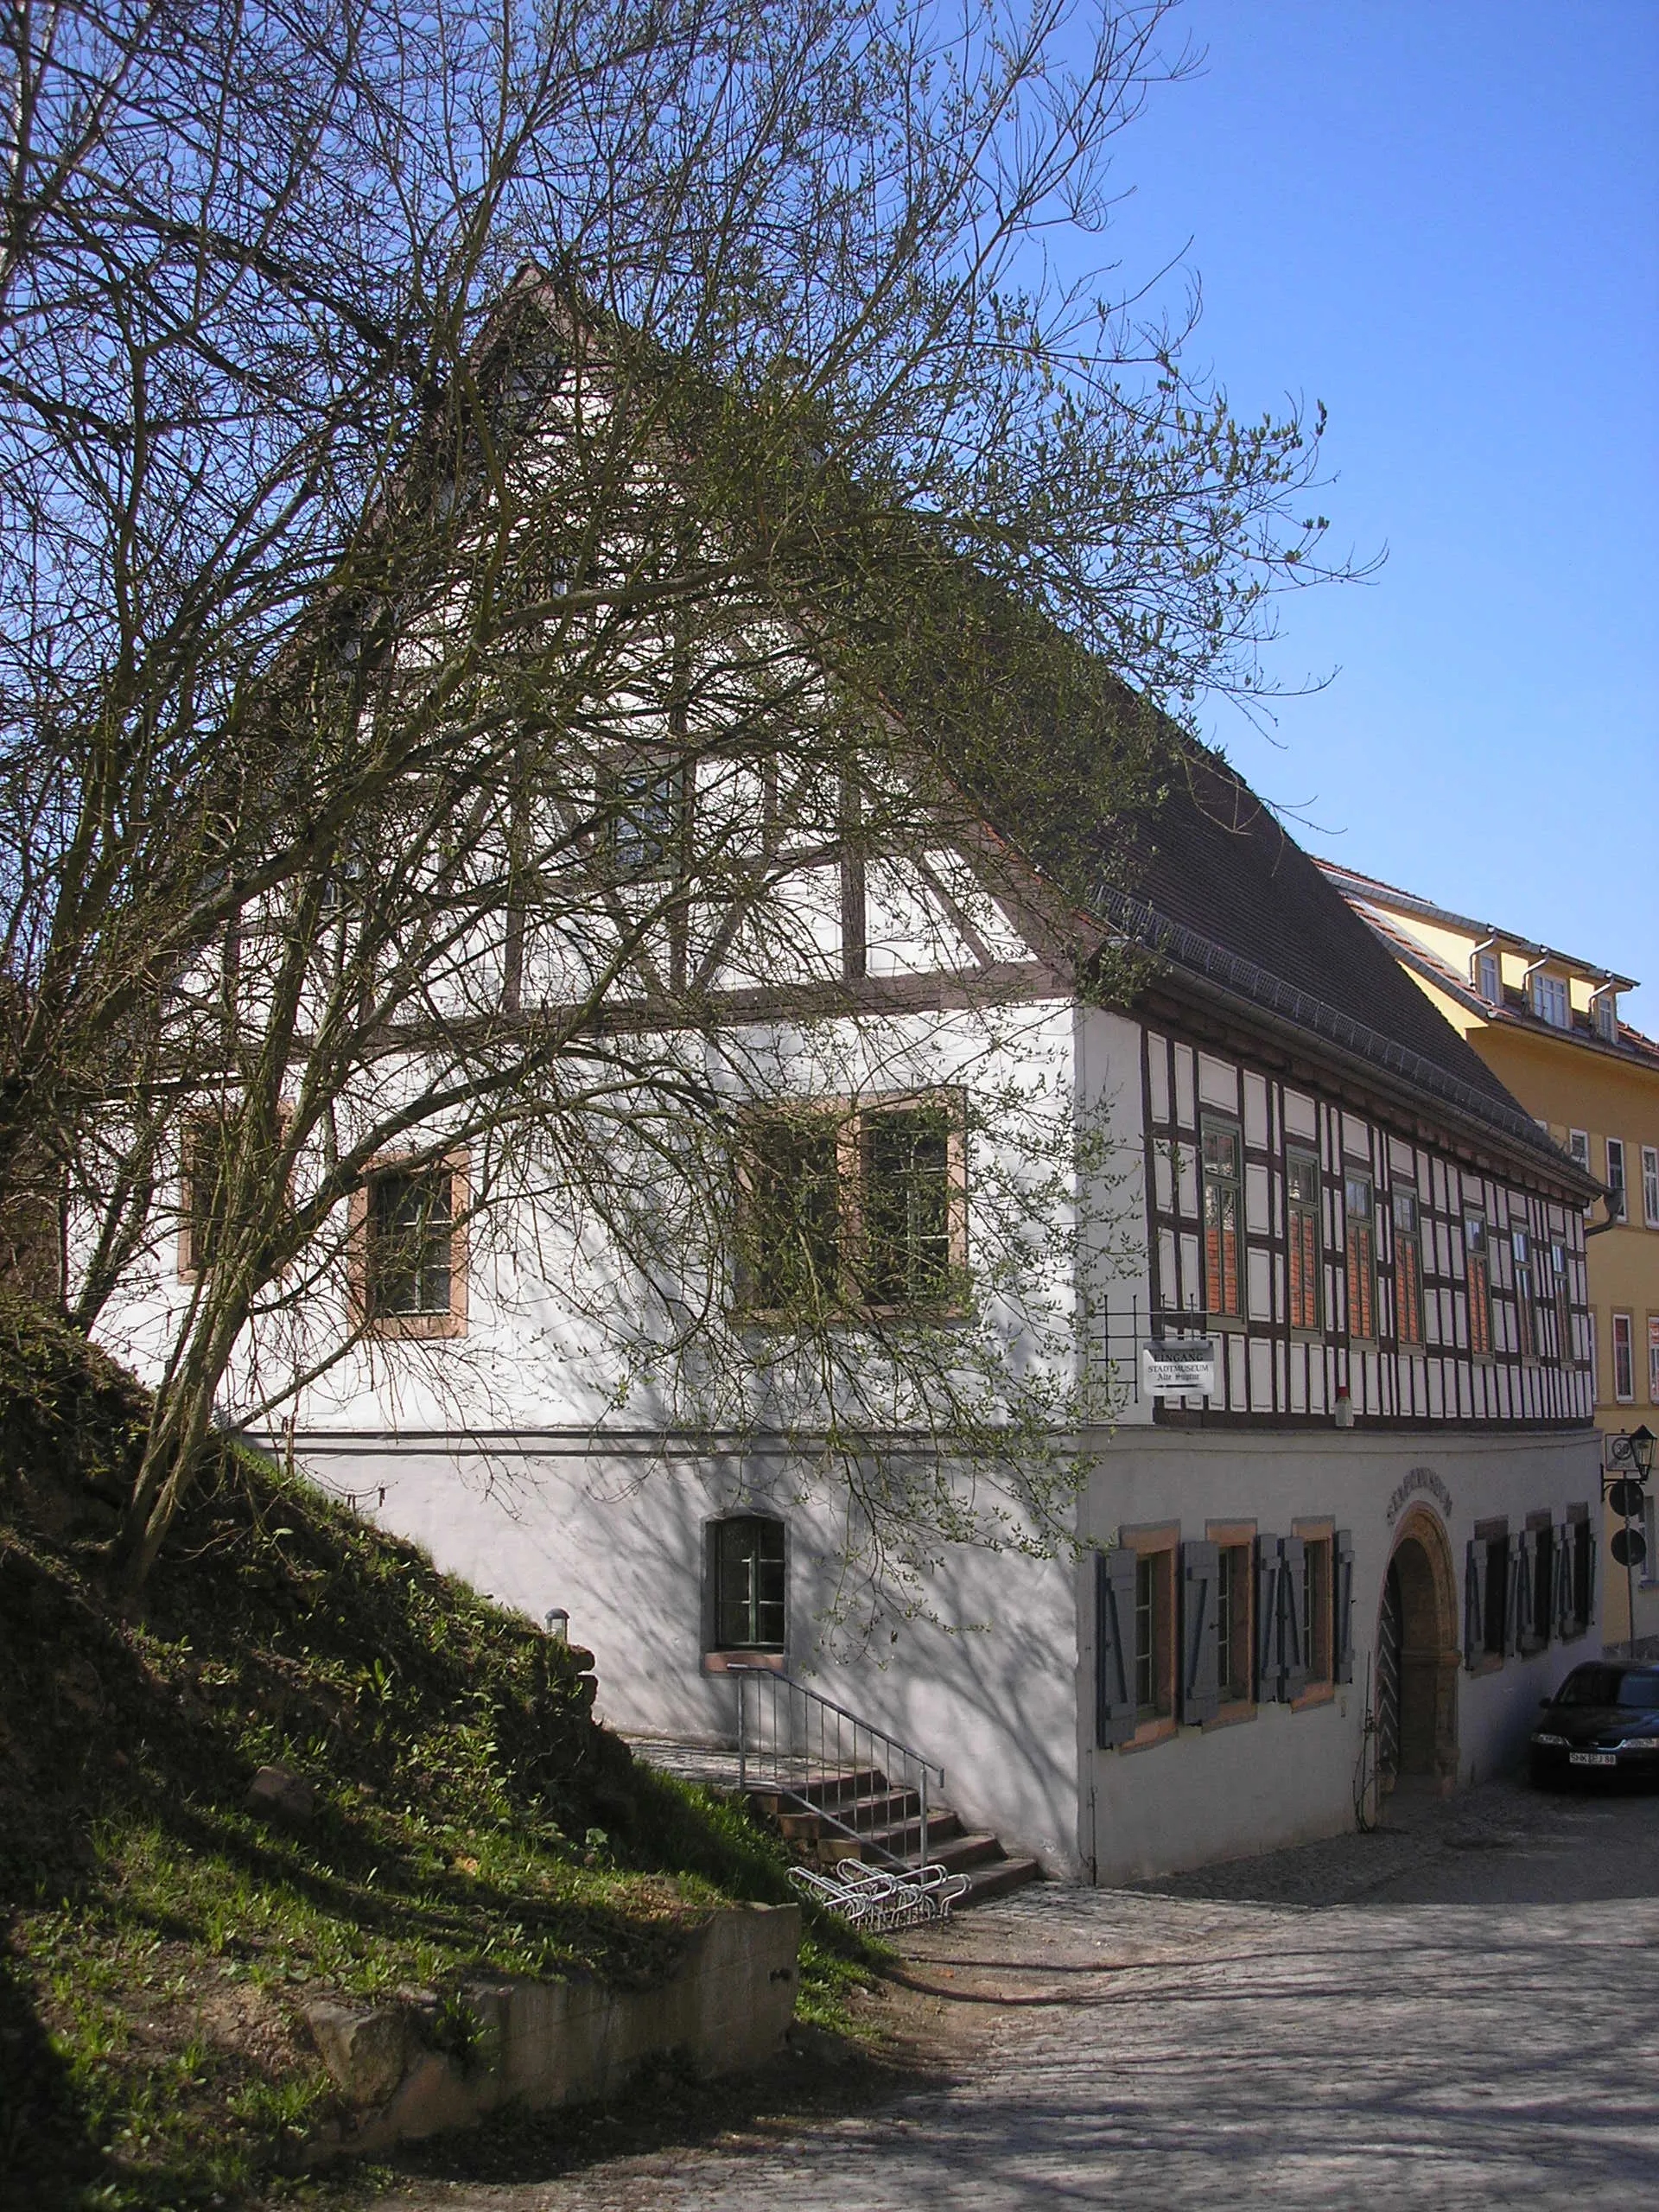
(1550, 1001)
(1607, 1017)
(1489, 979)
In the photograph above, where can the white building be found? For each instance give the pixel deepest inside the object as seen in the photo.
(1358, 1530)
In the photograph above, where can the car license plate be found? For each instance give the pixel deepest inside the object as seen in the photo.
(1592, 1758)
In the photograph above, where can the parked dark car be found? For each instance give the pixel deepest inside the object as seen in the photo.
(1604, 1719)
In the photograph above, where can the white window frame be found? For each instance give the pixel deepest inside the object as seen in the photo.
(1620, 1209)
(1627, 1396)
(1650, 1185)
(1552, 1001)
(1489, 978)
(1653, 1359)
(1578, 1146)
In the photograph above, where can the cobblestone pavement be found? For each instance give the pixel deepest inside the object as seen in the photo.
(1458, 2011)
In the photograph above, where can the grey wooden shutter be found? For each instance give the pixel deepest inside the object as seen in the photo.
(1293, 1644)
(1474, 1604)
(1593, 1541)
(1200, 1680)
(1521, 1625)
(1342, 1605)
(1114, 1648)
(1269, 1571)
(1563, 1607)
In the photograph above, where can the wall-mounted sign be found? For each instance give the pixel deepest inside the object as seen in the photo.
(1179, 1371)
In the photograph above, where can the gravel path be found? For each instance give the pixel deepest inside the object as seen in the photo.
(1462, 2011)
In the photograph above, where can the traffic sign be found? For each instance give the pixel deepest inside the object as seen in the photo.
(1630, 1547)
(1626, 1498)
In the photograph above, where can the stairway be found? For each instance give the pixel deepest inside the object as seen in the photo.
(885, 1822)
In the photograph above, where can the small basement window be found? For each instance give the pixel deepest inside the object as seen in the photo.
(749, 1583)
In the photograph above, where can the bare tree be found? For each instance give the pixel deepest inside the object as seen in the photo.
(430, 690)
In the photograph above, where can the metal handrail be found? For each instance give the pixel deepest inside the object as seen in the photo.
(846, 1745)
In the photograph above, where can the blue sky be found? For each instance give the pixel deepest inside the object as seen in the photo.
(1441, 216)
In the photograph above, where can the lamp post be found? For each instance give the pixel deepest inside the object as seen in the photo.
(1628, 1464)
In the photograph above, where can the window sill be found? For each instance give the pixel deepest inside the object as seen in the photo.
(393, 1328)
(725, 1662)
(1488, 1663)
(1319, 1693)
(775, 1320)
(1160, 1731)
(1229, 1716)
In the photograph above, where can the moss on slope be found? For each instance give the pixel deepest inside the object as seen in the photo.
(159, 1937)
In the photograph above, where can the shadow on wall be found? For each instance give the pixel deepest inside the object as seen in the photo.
(994, 1705)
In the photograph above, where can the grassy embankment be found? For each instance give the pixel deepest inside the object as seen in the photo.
(159, 1938)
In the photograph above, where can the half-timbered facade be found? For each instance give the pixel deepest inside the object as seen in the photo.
(1335, 1531)
(1334, 1253)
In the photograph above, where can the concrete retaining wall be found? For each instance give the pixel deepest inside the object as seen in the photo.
(540, 2043)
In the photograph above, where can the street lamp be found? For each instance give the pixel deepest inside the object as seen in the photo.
(1626, 1492)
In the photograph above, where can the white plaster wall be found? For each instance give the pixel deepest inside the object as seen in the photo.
(1113, 1196)
(555, 1317)
(616, 1538)
(1284, 1777)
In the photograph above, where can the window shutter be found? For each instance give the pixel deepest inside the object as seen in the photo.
(1269, 1574)
(1342, 1605)
(1592, 1542)
(1511, 1598)
(1114, 1647)
(1474, 1604)
(1563, 1605)
(1293, 1643)
(1201, 1684)
(1521, 1572)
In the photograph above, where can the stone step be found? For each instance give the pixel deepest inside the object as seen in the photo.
(903, 1837)
(889, 1823)
(961, 1851)
(994, 1877)
(835, 1789)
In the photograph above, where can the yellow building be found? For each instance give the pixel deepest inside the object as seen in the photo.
(1548, 1026)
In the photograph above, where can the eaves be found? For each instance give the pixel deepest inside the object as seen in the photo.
(1189, 969)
